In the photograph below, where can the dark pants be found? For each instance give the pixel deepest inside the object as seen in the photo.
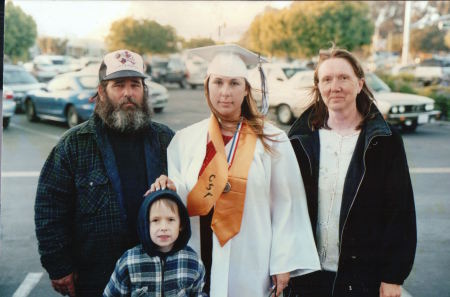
(316, 284)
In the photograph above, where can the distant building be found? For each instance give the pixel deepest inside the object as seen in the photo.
(85, 47)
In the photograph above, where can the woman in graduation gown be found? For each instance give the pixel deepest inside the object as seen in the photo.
(238, 176)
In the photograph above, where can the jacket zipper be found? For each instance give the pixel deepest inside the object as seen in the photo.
(163, 266)
(351, 205)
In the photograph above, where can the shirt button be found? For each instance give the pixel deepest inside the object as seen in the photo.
(349, 288)
(91, 184)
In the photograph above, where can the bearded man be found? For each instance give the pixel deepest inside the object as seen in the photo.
(92, 184)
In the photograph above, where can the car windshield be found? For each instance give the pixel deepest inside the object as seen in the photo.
(161, 64)
(376, 84)
(432, 63)
(289, 72)
(88, 81)
(16, 77)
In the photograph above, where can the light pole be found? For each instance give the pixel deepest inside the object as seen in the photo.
(406, 33)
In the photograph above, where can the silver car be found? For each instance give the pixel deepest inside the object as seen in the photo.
(18, 80)
(9, 106)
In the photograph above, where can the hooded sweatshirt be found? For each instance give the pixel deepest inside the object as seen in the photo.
(146, 271)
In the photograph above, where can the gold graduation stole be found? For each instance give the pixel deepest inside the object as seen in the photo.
(213, 186)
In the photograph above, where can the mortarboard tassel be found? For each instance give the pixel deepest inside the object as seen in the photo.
(264, 90)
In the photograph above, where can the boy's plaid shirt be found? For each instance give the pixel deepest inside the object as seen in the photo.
(138, 274)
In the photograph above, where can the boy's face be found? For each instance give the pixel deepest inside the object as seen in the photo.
(164, 225)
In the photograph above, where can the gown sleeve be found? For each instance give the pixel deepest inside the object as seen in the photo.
(174, 166)
(293, 248)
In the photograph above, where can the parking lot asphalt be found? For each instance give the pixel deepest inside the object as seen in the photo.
(27, 145)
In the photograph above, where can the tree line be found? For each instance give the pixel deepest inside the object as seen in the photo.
(299, 30)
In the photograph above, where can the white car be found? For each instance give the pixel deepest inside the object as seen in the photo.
(9, 106)
(276, 73)
(196, 71)
(432, 71)
(159, 96)
(401, 109)
(290, 99)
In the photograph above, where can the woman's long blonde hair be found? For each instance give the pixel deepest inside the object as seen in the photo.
(249, 111)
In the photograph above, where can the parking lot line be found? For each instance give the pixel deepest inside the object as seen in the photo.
(55, 137)
(20, 174)
(30, 281)
(430, 170)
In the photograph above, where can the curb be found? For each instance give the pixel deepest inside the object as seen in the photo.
(443, 123)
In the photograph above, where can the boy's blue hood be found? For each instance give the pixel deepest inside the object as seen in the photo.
(143, 227)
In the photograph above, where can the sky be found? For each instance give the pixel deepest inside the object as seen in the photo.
(92, 19)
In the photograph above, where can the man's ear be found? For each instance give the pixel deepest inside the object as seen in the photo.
(101, 92)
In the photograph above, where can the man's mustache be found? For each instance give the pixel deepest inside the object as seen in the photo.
(128, 100)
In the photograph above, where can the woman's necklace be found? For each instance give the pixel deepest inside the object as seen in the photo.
(232, 151)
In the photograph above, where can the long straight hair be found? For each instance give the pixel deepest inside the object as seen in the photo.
(364, 100)
(249, 111)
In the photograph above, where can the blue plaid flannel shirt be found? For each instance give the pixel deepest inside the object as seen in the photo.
(137, 274)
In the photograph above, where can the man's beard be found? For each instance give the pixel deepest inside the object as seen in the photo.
(124, 120)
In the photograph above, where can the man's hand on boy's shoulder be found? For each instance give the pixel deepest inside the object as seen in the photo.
(65, 285)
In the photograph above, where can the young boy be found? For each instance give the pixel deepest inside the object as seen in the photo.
(163, 264)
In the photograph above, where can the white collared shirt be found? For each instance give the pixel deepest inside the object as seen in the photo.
(335, 154)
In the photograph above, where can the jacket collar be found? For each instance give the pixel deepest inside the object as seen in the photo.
(375, 126)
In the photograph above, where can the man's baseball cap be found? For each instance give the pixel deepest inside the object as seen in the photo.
(121, 63)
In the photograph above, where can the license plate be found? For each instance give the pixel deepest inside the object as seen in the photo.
(422, 119)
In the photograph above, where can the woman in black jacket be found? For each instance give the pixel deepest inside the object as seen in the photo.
(358, 187)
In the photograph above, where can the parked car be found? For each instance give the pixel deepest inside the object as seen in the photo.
(432, 71)
(64, 99)
(157, 69)
(9, 106)
(291, 98)
(86, 61)
(276, 73)
(45, 67)
(398, 69)
(196, 71)
(159, 96)
(400, 109)
(171, 70)
(18, 80)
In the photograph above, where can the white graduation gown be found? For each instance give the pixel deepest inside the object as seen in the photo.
(275, 235)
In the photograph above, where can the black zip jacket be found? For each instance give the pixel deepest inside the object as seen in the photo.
(377, 227)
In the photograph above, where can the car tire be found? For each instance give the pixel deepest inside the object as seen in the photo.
(72, 117)
(30, 111)
(6, 122)
(183, 83)
(193, 86)
(19, 108)
(158, 109)
(284, 114)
